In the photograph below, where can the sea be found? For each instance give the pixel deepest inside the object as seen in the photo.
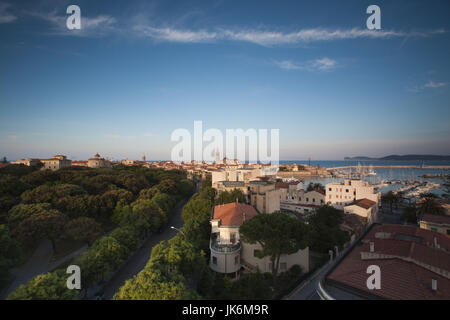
(401, 174)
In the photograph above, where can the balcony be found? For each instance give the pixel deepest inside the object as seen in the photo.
(224, 248)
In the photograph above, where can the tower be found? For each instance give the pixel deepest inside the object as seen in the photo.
(217, 156)
(143, 158)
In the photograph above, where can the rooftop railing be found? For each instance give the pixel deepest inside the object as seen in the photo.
(225, 248)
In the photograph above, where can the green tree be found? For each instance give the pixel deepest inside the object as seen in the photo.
(109, 253)
(324, 231)
(127, 236)
(20, 212)
(48, 286)
(92, 269)
(151, 284)
(277, 234)
(410, 214)
(230, 196)
(84, 229)
(391, 198)
(314, 187)
(46, 225)
(10, 254)
(429, 205)
(196, 215)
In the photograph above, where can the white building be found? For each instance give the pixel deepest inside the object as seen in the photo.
(231, 256)
(364, 208)
(56, 162)
(341, 194)
(98, 162)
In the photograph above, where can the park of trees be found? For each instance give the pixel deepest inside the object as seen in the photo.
(109, 210)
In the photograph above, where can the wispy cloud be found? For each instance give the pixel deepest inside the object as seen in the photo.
(322, 64)
(176, 35)
(6, 17)
(90, 26)
(429, 84)
(432, 84)
(269, 38)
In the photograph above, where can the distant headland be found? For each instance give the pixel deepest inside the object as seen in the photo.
(408, 157)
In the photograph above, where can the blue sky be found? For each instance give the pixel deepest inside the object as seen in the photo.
(137, 70)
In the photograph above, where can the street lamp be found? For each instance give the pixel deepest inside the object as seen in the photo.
(172, 227)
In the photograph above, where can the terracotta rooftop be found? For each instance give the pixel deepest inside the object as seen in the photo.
(233, 214)
(363, 203)
(436, 219)
(285, 185)
(408, 260)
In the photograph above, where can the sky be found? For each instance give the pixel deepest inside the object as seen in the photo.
(138, 70)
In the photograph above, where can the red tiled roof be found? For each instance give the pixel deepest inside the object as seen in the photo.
(363, 203)
(401, 276)
(234, 214)
(436, 219)
(281, 185)
(321, 191)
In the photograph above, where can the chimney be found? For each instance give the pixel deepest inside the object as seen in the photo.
(433, 284)
(372, 247)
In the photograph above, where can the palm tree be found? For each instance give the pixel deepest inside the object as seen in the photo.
(429, 205)
(389, 197)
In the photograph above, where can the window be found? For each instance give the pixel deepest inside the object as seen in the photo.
(256, 252)
(448, 232)
(329, 189)
(321, 201)
(346, 190)
(434, 229)
(314, 199)
(233, 237)
(214, 260)
(307, 199)
(236, 260)
(283, 266)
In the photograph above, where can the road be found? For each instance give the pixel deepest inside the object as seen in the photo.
(308, 289)
(40, 262)
(138, 261)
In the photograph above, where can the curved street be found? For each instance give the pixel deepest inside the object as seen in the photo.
(140, 258)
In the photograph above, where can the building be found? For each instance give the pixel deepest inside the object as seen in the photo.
(435, 223)
(304, 202)
(341, 194)
(231, 256)
(27, 162)
(128, 162)
(365, 208)
(264, 197)
(222, 186)
(295, 198)
(234, 174)
(98, 162)
(414, 264)
(56, 162)
(79, 163)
